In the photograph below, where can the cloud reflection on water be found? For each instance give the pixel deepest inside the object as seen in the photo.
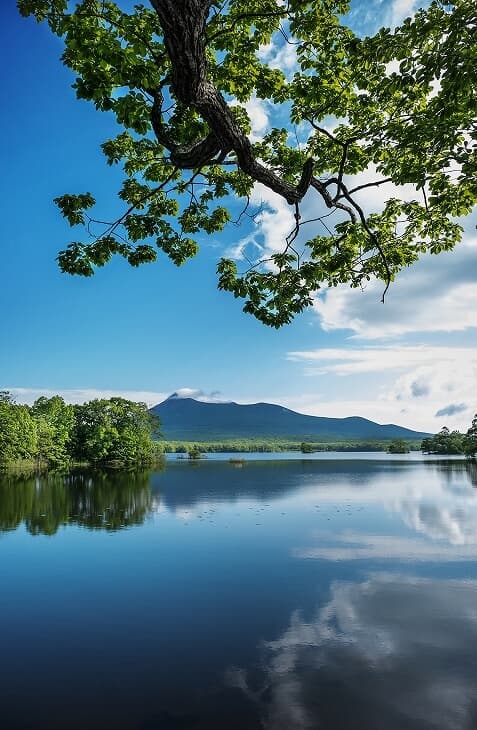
(351, 545)
(390, 652)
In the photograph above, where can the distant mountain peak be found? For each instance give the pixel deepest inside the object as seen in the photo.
(192, 415)
(194, 394)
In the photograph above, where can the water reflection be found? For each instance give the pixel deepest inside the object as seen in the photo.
(148, 622)
(435, 499)
(350, 545)
(100, 500)
(185, 485)
(467, 469)
(448, 514)
(389, 652)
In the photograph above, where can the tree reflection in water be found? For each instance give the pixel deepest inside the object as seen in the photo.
(96, 500)
(453, 469)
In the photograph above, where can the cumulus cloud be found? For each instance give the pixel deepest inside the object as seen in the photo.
(419, 388)
(437, 294)
(198, 394)
(257, 110)
(399, 10)
(373, 199)
(273, 224)
(280, 54)
(370, 652)
(415, 379)
(452, 409)
(367, 18)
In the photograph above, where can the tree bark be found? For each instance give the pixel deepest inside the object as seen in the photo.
(183, 24)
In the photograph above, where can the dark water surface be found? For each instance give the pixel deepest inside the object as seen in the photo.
(331, 594)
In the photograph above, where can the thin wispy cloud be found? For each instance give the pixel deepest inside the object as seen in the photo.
(375, 358)
(81, 395)
(416, 381)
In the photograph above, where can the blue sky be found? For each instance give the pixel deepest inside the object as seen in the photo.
(147, 332)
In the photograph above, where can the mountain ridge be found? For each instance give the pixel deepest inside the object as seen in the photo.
(189, 419)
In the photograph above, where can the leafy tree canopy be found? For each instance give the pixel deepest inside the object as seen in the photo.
(453, 442)
(398, 446)
(54, 433)
(177, 76)
(114, 430)
(18, 434)
(54, 422)
(470, 441)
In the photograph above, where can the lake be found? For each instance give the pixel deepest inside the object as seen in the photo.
(336, 593)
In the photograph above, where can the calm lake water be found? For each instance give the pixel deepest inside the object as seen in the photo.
(338, 594)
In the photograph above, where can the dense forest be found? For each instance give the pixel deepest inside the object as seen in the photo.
(52, 433)
(453, 442)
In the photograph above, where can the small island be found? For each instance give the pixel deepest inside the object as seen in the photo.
(398, 446)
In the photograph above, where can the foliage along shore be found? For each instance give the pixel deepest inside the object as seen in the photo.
(101, 432)
(196, 449)
(279, 446)
(119, 433)
(453, 442)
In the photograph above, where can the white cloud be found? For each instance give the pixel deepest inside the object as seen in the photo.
(257, 110)
(280, 54)
(437, 294)
(336, 406)
(80, 395)
(273, 224)
(376, 359)
(400, 10)
(198, 394)
(416, 383)
(374, 198)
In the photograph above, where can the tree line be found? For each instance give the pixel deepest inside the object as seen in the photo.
(453, 442)
(54, 433)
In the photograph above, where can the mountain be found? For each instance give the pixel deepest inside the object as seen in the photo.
(187, 419)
